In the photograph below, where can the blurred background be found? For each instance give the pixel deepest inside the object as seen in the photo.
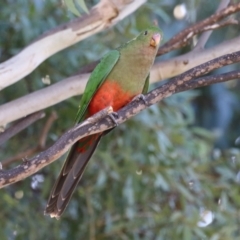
(153, 177)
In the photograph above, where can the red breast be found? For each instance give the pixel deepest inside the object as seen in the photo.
(109, 94)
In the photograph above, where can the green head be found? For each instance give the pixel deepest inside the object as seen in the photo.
(147, 41)
(150, 37)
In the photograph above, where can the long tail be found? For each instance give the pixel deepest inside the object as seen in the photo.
(71, 174)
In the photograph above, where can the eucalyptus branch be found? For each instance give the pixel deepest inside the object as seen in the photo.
(42, 98)
(182, 38)
(177, 65)
(101, 121)
(104, 15)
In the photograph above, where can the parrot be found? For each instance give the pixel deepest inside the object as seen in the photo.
(122, 75)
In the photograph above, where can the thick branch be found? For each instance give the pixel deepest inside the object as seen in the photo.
(176, 83)
(175, 66)
(97, 123)
(104, 15)
(42, 99)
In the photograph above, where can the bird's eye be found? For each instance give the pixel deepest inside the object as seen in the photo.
(146, 32)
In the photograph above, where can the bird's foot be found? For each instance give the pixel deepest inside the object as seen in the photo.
(25, 160)
(114, 116)
(140, 97)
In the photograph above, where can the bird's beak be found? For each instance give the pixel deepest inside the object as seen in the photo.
(155, 40)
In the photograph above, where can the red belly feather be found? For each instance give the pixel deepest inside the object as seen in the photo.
(109, 94)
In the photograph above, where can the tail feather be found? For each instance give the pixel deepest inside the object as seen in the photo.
(69, 177)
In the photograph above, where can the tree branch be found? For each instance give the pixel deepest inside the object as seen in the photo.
(177, 65)
(40, 146)
(205, 36)
(101, 122)
(206, 81)
(182, 38)
(20, 125)
(104, 15)
(43, 137)
(42, 98)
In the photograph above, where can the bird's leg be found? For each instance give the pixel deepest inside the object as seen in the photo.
(25, 160)
(140, 97)
(108, 111)
(114, 116)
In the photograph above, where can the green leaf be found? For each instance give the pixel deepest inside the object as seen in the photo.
(72, 7)
(82, 4)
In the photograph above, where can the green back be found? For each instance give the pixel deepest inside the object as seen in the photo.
(96, 79)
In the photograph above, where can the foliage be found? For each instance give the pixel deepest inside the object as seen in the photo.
(73, 6)
(151, 176)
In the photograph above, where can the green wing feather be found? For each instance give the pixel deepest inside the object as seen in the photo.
(146, 85)
(96, 79)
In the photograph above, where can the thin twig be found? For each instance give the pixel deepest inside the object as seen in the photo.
(182, 38)
(40, 146)
(20, 125)
(205, 36)
(206, 81)
(87, 68)
(47, 126)
(20, 156)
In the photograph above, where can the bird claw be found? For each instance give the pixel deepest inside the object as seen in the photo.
(140, 97)
(114, 116)
(25, 160)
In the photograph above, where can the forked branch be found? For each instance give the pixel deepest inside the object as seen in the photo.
(213, 22)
